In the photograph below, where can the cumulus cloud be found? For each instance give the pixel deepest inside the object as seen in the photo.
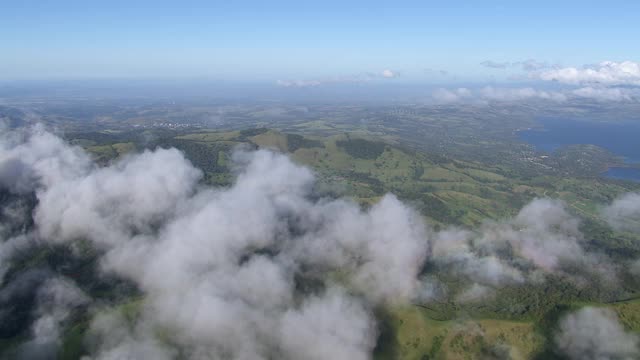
(456, 248)
(222, 268)
(389, 73)
(263, 268)
(543, 232)
(134, 194)
(542, 239)
(37, 155)
(606, 81)
(624, 212)
(335, 337)
(595, 334)
(606, 73)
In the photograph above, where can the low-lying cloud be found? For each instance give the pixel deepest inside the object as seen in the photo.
(595, 334)
(263, 268)
(542, 239)
(222, 268)
(358, 78)
(606, 81)
(605, 73)
(494, 94)
(513, 94)
(624, 212)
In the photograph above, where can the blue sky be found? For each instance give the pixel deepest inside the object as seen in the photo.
(267, 41)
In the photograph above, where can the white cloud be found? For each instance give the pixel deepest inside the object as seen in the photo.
(446, 96)
(221, 268)
(526, 65)
(624, 212)
(495, 64)
(511, 94)
(595, 334)
(606, 93)
(218, 267)
(358, 78)
(606, 73)
(298, 83)
(543, 238)
(490, 93)
(389, 74)
(532, 65)
(329, 337)
(516, 94)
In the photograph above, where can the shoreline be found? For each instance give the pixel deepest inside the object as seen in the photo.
(633, 178)
(618, 162)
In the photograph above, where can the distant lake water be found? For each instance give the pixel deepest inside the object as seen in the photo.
(622, 139)
(623, 173)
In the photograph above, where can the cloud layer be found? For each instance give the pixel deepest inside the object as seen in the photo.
(364, 77)
(261, 269)
(222, 269)
(605, 73)
(605, 81)
(514, 94)
(494, 94)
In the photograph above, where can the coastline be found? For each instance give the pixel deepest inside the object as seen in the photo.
(621, 166)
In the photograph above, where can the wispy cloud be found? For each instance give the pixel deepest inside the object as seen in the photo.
(515, 94)
(439, 72)
(595, 334)
(298, 83)
(495, 65)
(603, 93)
(358, 78)
(496, 94)
(532, 65)
(526, 65)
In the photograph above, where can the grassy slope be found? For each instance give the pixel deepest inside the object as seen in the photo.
(417, 336)
(471, 190)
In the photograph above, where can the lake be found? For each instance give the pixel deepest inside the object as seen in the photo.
(623, 173)
(622, 139)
